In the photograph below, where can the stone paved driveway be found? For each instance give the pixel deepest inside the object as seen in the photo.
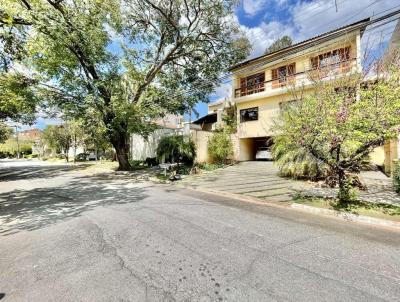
(254, 178)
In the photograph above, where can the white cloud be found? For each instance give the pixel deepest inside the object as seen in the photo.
(252, 7)
(264, 35)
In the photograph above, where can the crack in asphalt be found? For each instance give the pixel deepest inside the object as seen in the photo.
(108, 249)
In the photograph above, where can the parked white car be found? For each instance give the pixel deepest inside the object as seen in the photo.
(264, 153)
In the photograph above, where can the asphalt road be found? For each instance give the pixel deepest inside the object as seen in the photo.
(66, 236)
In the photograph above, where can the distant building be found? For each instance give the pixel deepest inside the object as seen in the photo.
(31, 134)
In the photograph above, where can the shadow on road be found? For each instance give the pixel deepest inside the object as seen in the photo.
(29, 172)
(34, 209)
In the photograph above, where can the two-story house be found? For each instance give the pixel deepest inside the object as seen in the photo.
(261, 85)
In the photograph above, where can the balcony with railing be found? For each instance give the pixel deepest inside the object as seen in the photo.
(323, 71)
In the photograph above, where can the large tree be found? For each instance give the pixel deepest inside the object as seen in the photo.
(341, 122)
(279, 44)
(131, 60)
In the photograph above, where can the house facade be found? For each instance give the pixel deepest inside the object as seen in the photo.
(262, 86)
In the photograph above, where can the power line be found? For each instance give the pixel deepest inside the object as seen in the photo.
(225, 77)
(259, 35)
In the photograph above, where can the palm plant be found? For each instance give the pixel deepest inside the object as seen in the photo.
(176, 148)
(297, 162)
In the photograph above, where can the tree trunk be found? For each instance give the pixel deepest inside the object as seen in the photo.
(122, 155)
(118, 140)
(74, 147)
(118, 137)
(345, 189)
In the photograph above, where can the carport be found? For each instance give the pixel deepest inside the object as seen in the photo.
(248, 146)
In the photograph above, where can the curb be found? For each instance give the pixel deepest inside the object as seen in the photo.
(393, 225)
(347, 216)
(244, 198)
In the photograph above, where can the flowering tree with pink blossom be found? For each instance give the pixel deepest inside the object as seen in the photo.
(331, 132)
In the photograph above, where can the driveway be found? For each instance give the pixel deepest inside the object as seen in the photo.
(66, 236)
(253, 178)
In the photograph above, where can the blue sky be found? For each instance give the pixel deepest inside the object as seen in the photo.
(264, 21)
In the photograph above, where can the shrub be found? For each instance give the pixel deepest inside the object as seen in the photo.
(396, 176)
(220, 147)
(297, 162)
(176, 148)
(209, 167)
(136, 164)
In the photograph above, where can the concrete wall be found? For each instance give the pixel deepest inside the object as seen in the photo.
(378, 156)
(200, 138)
(142, 148)
(392, 153)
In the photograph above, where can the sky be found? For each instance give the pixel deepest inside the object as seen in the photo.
(264, 21)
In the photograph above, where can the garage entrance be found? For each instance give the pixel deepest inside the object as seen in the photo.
(250, 146)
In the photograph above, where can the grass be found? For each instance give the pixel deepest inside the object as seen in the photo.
(210, 167)
(376, 210)
(100, 165)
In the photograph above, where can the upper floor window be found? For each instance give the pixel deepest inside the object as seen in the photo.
(332, 59)
(283, 75)
(251, 84)
(249, 114)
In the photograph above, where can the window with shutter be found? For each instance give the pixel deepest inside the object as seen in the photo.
(251, 84)
(283, 75)
(291, 73)
(335, 59)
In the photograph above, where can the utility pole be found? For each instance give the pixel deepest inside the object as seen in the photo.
(16, 137)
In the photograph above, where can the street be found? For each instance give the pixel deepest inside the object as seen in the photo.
(70, 236)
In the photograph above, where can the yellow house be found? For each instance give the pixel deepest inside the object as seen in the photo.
(260, 88)
(260, 85)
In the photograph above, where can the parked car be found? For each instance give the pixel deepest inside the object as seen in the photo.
(86, 156)
(91, 156)
(264, 153)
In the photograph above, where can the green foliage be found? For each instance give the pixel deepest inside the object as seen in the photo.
(297, 162)
(333, 130)
(59, 138)
(10, 147)
(347, 193)
(279, 44)
(396, 176)
(5, 132)
(176, 148)
(209, 166)
(18, 100)
(137, 164)
(220, 147)
(172, 55)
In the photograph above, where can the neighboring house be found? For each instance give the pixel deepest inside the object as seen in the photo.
(33, 137)
(260, 86)
(142, 148)
(31, 134)
(214, 117)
